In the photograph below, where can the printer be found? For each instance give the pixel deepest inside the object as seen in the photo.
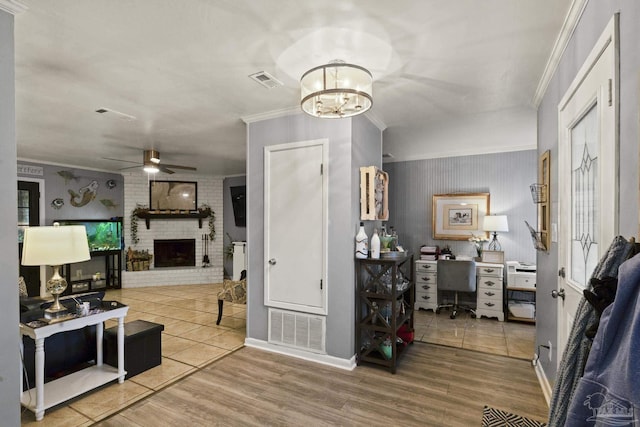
(521, 275)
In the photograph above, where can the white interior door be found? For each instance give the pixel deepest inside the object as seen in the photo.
(588, 179)
(296, 226)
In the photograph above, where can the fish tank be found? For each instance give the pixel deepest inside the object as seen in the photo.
(104, 235)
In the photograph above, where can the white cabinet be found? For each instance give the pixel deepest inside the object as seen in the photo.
(426, 285)
(239, 259)
(489, 288)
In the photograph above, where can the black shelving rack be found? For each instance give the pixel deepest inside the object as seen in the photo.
(385, 297)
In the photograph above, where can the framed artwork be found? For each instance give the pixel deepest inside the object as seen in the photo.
(173, 195)
(458, 216)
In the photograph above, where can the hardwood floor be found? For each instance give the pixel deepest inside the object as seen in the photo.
(434, 386)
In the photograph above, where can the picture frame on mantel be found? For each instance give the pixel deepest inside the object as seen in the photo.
(458, 216)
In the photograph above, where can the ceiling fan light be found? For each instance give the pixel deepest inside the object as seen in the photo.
(151, 156)
(150, 168)
(327, 91)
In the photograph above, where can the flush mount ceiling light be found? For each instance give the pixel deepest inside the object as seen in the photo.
(336, 90)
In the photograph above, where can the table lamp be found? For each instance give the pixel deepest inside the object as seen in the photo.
(55, 246)
(493, 224)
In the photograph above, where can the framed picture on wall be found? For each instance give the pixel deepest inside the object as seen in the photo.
(173, 195)
(458, 216)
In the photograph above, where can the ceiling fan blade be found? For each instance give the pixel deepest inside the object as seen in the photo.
(119, 160)
(179, 167)
(165, 170)
(131, 167)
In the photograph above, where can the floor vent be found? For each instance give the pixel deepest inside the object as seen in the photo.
(298, 330)
(266, 79)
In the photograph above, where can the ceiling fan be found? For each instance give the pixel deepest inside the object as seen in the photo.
(151, 163)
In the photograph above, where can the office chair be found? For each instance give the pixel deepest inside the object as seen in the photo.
(457, 276)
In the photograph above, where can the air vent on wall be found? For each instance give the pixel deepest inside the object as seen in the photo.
(266, 79)
(298, 330)
(387, 156)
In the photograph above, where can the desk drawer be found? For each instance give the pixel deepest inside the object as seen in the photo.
(489, 282)
(429, 296)
(490, 271)
(428, 278)
(422, 267)
(426, 287)
(490, 295)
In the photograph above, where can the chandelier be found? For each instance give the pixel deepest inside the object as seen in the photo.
(336, 90)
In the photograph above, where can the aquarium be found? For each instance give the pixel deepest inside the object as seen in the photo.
(103, 235)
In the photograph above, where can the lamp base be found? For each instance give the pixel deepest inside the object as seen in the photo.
(55, 313)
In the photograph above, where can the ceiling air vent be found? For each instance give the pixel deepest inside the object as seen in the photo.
(266, 79)
(387, 156)
(118, 114)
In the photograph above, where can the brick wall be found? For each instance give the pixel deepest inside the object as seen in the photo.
(136, 191)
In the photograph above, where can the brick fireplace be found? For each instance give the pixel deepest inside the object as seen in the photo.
(136, 192)
(174, 253)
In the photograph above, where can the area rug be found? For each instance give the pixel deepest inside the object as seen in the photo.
(492, 417)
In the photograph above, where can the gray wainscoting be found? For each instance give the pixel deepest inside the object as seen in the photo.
(506, 176)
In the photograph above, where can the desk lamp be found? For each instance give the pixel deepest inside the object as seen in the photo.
(493, 224)
(55, 246)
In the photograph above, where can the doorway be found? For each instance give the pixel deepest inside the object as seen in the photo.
(588, 177)
(28, 216)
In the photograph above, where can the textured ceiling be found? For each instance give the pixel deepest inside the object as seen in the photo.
(181, 69)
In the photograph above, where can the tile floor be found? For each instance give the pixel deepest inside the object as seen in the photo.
(512, 339)
(190, 340)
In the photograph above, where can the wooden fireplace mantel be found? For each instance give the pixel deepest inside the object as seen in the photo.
(149, 215)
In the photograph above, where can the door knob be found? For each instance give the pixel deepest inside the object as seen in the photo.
(556, 294)
(272, 261)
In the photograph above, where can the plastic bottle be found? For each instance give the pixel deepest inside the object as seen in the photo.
(362, 243)
(375, 244)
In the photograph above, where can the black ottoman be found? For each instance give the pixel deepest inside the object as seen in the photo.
(142, 346)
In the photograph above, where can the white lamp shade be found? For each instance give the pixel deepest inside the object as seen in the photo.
(55, 245)
(495, 223)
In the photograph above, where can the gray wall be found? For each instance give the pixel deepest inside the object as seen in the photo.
(9, 337)
(238, 234)
(596, 16)
(506, 176)
(60, 180)
(340, 328)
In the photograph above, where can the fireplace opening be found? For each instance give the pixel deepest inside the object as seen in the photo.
(174, 253)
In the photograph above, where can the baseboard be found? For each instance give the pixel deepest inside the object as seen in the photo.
(325, 359)
(544, 382)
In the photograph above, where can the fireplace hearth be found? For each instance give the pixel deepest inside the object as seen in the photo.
(174, 253)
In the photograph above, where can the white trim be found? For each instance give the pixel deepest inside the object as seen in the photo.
(14, 7)
(377, 121)
(568, 27)
(544, 382)
(324, 359)
(474, 151)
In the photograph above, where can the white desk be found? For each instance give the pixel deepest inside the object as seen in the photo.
(44, 396)
(489, 288)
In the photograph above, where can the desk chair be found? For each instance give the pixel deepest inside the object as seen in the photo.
(457, 276)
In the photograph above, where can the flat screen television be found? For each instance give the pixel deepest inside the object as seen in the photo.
(239, 203)
(103, 234)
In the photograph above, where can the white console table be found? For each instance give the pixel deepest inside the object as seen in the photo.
(44, 396)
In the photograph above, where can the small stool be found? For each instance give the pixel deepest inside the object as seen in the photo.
(142, 346)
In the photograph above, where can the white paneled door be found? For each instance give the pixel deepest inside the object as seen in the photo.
(296, 226)
(588, 177)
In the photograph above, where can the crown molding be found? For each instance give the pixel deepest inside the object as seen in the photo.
(471, 151)
(251, 118)
(568, 27)
(377, 121)
(13, 7)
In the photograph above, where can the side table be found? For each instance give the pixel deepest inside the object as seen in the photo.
(44, 396)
